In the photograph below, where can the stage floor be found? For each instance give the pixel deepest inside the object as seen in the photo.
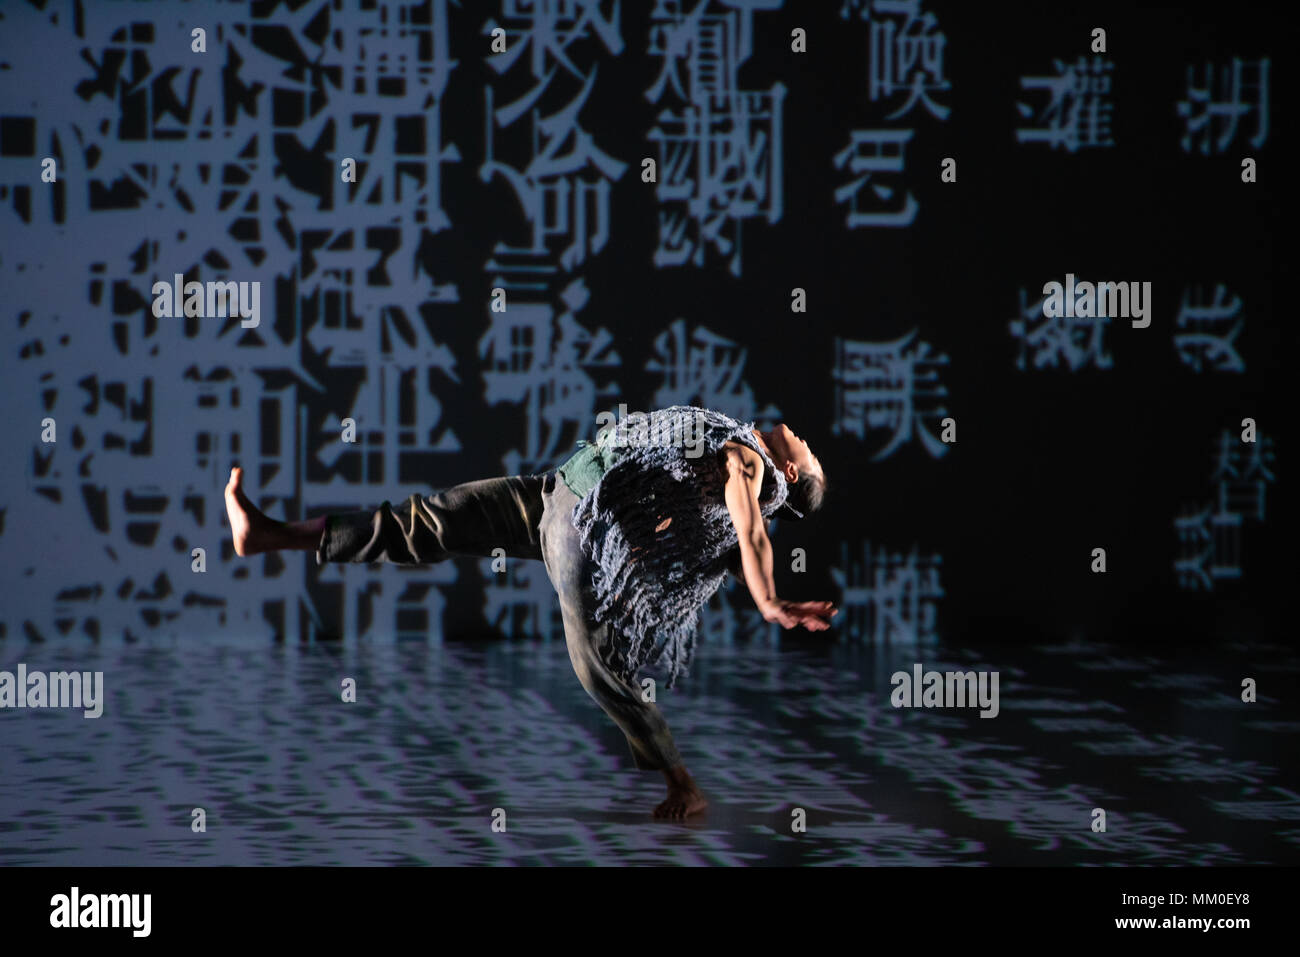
(441, 735)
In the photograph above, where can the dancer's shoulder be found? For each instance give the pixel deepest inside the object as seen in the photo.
(745, 459)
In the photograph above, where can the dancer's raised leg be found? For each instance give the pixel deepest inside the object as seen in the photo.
(481, 519)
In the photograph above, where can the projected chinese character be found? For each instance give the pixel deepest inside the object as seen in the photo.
(1242, 91)
(888, 385)
(1078, 108)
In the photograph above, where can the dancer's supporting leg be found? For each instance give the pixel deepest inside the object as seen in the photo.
(641, 721)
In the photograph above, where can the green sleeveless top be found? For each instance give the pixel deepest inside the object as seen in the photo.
(586, 466)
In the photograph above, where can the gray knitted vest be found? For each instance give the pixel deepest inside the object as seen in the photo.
(649, 584)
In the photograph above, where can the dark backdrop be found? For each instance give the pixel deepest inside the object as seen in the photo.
(376, 301)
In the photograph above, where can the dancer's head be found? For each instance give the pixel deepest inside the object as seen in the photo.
(804, 476)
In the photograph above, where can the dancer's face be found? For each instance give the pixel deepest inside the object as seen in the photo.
(790, 453)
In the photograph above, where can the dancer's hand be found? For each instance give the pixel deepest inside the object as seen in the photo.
(813, 615)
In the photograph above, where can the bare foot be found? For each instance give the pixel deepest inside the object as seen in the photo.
(684, 798)
(245, 521)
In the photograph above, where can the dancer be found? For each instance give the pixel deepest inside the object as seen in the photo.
(637, 530)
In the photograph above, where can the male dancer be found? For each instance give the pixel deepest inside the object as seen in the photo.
(637, 531)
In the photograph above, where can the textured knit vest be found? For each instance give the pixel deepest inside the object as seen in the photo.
(657, 527)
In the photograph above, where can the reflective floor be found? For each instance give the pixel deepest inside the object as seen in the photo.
(443, 735)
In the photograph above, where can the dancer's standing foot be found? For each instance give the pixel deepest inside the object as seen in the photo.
(684, 797)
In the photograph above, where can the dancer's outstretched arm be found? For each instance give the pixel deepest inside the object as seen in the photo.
(744, 481)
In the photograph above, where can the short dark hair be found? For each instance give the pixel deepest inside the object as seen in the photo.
(808, 493)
